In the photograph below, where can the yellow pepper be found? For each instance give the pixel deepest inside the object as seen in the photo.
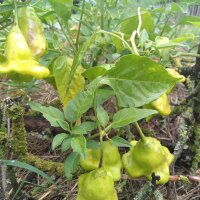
(96, 185)
(19, 59)
(111, 160)
(148, 156)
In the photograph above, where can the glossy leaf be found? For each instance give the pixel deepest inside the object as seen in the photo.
(78, 145)
(130, 24)
(183, 38)
(79, 105)
(137, 80)
(189, 20)
(129, 115)
(84, 128)
(61, 71)
(103, 95)
(102, 116)
(51, 113)
(62, 8)
(79, 56)
(94, 72)
(70, 164)
(6, 8)
(120, 142)
(91, 144)
(118, 41)
(63, 124)
(66, 144)
(58, 139)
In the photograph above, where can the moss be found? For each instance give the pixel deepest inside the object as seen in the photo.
(196, 147)
(2, 144)
(44, 165)
(19, 146)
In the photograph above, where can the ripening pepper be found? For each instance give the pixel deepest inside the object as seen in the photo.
(18, 58)
(96, 185)
(162, 105)
(16, 47)
(175, 74)
(111, 160)
(33, 31)
(148, 156)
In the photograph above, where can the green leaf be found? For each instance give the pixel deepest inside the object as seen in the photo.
(61, 71)
(130, 24)
(144, 37)
(62, 8)
(58, 139)
(103, 95)
(183, 38)
(78, 145)
(176, 8)
(120, 142)
(52, 114)
(91, 144)
(102, 116)
(137, 80)
(94, 72)
(78, 106)
(6, 8)
(189, 20)
(129, 115)
(31, 168)
(79, 56)
(84, 128)
(197, 24)
(168, 45)
(70, 164)
(118, 42)
(63, 124)
(66, 144)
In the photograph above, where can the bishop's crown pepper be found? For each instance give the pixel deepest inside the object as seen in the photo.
(96, 185)
(111, 160)
(148, 156)
(18, 57)
(33, 31)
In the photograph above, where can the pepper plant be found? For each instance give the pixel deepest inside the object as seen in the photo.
(131, 71)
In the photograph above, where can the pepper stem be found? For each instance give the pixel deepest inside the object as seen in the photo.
(16, 14)
(140, 131)
(101, 150)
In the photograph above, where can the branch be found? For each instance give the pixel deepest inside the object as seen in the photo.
(171, 178)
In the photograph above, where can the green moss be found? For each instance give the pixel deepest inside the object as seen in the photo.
(44, 165)
(2, 144)
(19, 145)
(196, 147)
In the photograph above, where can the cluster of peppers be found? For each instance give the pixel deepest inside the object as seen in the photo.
(145, 157)
(25, 44)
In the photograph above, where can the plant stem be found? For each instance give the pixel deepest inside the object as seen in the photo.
(101, 150)
(140, 131)
(186, 54)
(66, 36)
(140, 22)
(117, 36)
(102, 14)
(16, 15)
(133, 43)
(80, 23)
(95, 112)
